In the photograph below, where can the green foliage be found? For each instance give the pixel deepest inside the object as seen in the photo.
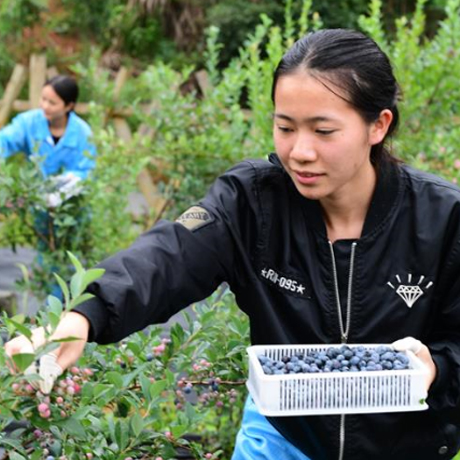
(140, 398)
(428, 74)
(14, 16)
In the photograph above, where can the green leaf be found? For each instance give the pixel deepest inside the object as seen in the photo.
(92, 275)
(137, 424)
(46, 348)
(121, 434)
(76, 263)
(115, 378)
(80, 299)
(23, 360)
(73, 427)
(179, 430)
(54, 319)
(134, 347)
(37, 455)
(76, 285)
(190, 412)
(157, 387)
(54, 305)
(14, 326)
(64, 288)
(16, 456)
(145, 386)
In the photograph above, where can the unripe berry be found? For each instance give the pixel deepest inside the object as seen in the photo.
(74, 370)
(208, 455)
(89, 455)
(30, 388)
(59, 400)
(43, 407)
(77, 388)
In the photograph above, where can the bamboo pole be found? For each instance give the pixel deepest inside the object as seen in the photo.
(120, 80)
(12, 91)
(202, 79)
(122, 129)
(37, 70)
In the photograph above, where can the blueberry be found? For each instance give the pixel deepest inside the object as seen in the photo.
(267, 370)
(354, 361)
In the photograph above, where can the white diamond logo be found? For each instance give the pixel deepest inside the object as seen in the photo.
(410, 293)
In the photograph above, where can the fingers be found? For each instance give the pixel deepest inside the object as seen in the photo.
(52, 364)
(408, 343)
(422, 352)
(71, 325)
(49, 372)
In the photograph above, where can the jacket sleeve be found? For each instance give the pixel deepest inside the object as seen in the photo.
(444, 340)
(83, 161)
(13, 138)
(175, 263)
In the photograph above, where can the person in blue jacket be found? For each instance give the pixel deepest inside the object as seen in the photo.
(54, 133)
(59, 142)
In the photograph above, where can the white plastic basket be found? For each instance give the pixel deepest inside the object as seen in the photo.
(334, 392)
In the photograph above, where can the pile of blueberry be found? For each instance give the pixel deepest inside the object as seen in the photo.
(337, 359)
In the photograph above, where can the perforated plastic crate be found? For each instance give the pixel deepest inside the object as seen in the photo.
(334, 392)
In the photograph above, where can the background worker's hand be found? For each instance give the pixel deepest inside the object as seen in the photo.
(422, 352)
(71, 325)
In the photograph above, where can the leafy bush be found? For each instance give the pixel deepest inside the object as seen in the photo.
(140, 398)
(427, 71)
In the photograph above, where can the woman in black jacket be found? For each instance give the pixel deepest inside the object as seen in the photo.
(368, 250)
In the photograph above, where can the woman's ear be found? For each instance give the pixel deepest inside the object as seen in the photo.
(70, 106)
(379, 128)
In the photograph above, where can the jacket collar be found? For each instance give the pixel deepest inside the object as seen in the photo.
(70, 137)
(386, 191)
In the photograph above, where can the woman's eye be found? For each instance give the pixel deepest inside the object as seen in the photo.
(325, 132)
(284, 129)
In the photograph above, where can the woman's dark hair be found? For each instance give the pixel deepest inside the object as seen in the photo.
(66, 88)
(352, 62)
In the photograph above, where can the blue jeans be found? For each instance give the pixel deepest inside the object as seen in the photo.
(259, 440)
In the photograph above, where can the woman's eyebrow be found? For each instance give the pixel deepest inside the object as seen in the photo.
(315, 119)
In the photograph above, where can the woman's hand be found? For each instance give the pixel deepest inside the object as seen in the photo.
(422, 352)
(71, 325)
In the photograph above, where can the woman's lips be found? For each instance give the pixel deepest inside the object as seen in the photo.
(307, 178)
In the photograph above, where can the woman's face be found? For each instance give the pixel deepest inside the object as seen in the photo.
(52, 105)
(322, 141)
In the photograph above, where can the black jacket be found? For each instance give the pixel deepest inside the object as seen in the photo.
(253, 230)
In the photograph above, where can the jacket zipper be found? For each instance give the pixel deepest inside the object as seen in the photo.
(344, 331)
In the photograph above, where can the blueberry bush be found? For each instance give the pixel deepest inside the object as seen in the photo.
(151, 396)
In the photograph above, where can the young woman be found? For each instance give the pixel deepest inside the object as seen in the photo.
(54, 133)
(350, 229)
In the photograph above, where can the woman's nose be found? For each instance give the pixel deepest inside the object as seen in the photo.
(304, 149)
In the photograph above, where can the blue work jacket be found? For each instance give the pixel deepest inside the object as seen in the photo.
(29, 133)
